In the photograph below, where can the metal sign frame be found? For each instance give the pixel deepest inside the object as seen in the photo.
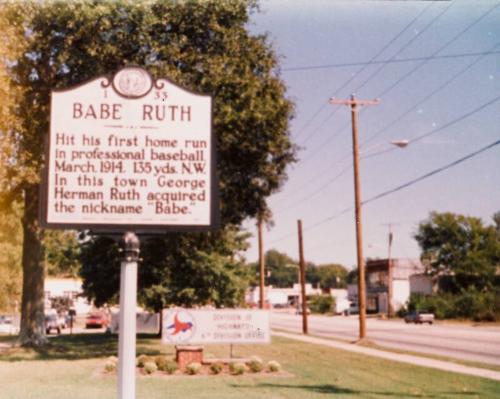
(112, 228)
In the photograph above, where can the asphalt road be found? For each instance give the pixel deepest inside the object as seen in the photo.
(460, 341)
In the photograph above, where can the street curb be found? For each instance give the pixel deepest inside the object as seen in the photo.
(397, 357)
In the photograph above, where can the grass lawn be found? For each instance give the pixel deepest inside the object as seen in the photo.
(69, 370)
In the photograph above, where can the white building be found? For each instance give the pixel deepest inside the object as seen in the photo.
(68, 288)
(290, 297)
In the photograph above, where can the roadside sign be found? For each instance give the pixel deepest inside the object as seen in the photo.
(130, 153)
(215, 326)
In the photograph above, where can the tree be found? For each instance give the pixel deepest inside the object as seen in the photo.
(10, 256)
(203, 46)
(332, 275)
(312, 275)
(170, 272)
(282, 270)
(62, 252)
(460, 251)
(10, 208)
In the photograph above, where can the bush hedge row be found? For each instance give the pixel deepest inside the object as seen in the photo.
(470, 304)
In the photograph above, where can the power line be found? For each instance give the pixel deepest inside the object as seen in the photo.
(416, 139)
(413, 70)
(405, 46)
(356, 74)
(398, 188)
(390, 61)
(318, 191)
(408, 74)
(432, 173)
(460, 118)
(428, 96)
(401, 49)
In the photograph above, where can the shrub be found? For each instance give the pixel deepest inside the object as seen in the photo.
(193, 368)
(216, 368)
(273, 366)
(143, 359)
(160, 361)
(255, 364)
(150, 367)
(237, 368)
(321, 304)
(111, 364)
(468, 304)
(170, 367)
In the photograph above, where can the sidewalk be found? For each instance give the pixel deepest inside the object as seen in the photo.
(397, 357)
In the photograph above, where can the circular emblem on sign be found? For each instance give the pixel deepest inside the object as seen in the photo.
(179, 326)
(132, 82)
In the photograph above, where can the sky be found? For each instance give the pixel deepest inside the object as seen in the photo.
(448, 104)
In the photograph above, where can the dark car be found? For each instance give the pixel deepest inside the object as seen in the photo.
(96, 320)
(419, 317)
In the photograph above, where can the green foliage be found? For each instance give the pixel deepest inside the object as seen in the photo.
(282, 270)
(237, 368)
(150, 367)
(100, 269)
(203, 46)
(216, 368)
(460, 251)
(171, 272)
(10, 256)
(61, 304)
(143, 359)
(468, 304)
(171, 367)
(332, 276)
(255, 364)
(62, 253)
(160, 361)
(273, 366)
(193, 368)
(321, 304)
(165, 364)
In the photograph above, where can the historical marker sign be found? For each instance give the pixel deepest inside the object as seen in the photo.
(129, 152)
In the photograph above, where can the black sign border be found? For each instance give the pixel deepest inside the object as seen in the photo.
(110, 228)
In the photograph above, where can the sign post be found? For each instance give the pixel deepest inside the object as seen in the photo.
(130, 154)
(128, 306)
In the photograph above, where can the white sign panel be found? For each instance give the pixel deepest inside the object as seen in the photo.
(222, 326)
(130, 151)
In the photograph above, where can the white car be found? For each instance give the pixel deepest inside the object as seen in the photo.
(352, 309)
(7, 325)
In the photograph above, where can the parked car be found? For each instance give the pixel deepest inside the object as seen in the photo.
(96, 320)
(52, 323)
(419, 318)
(352, 309)
(299, 310)
(7, 325)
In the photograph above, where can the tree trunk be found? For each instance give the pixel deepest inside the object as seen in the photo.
(32, 307)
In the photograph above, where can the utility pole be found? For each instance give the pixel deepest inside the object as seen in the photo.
(302, 269)
(262, 270)
(354, 104)
(390, 310)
